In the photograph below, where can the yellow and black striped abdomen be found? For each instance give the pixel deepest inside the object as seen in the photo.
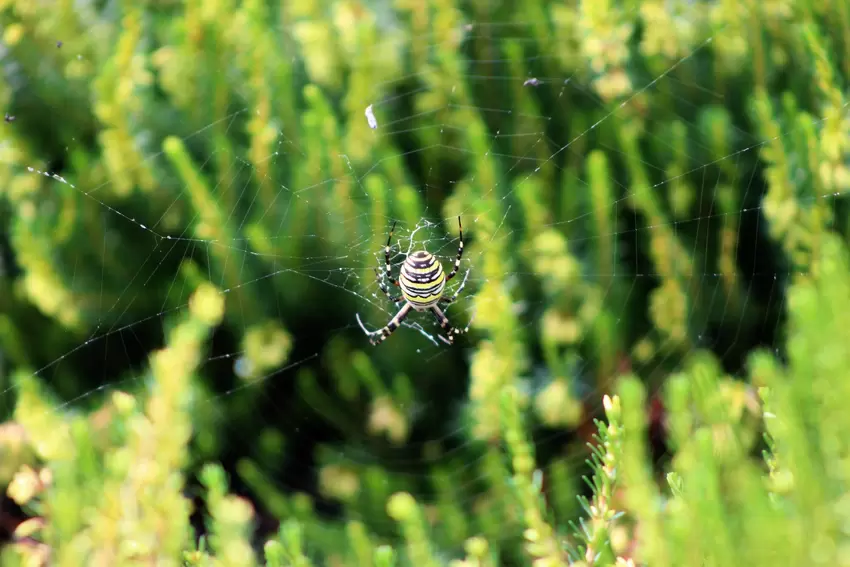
(422, 280)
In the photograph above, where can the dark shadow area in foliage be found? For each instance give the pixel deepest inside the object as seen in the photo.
(765, 275)
(124, 353)
(11, 516)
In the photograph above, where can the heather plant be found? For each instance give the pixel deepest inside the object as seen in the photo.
(195, 201)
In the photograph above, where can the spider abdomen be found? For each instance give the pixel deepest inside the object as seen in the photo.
(422, 280)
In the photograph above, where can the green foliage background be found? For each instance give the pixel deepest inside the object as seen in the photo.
(183, 183)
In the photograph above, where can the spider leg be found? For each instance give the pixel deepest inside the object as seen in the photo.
(387, 257)
(459, 253)
(385, 289)
(451, 331)
(449, 300)
(379, 336)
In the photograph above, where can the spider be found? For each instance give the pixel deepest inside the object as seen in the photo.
(422, 282)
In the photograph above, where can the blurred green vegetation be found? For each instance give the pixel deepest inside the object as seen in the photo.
(192, 204)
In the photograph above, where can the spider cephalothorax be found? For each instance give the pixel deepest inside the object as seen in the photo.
(422, 282)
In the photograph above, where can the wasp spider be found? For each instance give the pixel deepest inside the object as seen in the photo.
(422, 282)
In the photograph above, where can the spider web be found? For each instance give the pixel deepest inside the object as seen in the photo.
(334, 226)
